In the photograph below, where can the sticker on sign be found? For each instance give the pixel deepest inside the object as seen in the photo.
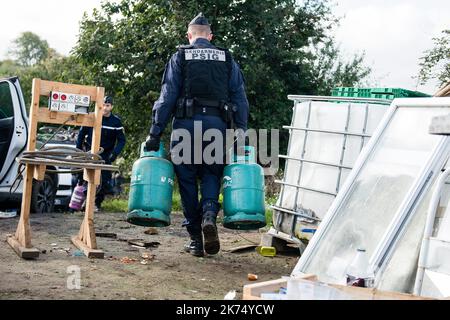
(67, 102)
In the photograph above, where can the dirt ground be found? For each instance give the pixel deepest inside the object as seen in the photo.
(170, 274)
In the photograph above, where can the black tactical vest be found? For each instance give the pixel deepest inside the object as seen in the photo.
(206, 72)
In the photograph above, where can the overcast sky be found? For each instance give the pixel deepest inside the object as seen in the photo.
(393, 34)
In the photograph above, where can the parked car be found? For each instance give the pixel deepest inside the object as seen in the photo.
(55, 188)
(66, 137)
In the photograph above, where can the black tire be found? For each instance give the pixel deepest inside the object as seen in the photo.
(43, 195)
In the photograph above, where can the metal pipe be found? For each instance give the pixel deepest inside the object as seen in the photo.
(315, 162)
(344, 145)
(328, 131)
(304, 188)
(294, 213)
(431, 216)
(349, 99)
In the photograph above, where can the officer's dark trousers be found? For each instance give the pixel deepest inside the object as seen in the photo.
(105, 183)
(191, 174)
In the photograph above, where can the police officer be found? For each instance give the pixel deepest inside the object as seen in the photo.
(112, 141)
(200, 84)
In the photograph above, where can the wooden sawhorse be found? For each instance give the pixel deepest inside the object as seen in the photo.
(85, 240)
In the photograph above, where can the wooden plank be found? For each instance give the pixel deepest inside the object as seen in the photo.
(106, 235)
(34, 115)
(247, 247)
(48, 86)
(47, 116)
(23, 233)
(88, 252)
(39, 172)
(253, 291)
(143, 243)
(97, 130)
(444, 91)
(24, 253)
(89, 232)
(70, 164)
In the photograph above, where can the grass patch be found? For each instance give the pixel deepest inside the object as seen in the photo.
(120, 204)
(115, 205)
(270, 200)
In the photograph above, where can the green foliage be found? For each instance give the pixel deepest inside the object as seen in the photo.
(29, 49)
(435, 64)
(58, 68)
(125, 46)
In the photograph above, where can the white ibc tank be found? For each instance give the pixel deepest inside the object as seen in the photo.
(326, 136)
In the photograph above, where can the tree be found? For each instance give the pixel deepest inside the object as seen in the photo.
(57, 68)
(126, 44)
(29, 49)
(330, 70)
(435, 64)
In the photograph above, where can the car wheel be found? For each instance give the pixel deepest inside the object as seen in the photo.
(43, 195)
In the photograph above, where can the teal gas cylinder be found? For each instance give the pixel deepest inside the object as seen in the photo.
(243, 193)
(151, 188)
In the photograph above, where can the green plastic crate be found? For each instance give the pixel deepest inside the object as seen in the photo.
(377, 93)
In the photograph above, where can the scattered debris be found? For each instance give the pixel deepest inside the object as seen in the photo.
(252, 277)
(266, 251)
(54, 244)
(231, 295)
(106, 235)
(128, 260)
(244, 248)
(77, 253)
(151, 231)
(147, 256)
(144, 261)
(142, 243)
(44, 251)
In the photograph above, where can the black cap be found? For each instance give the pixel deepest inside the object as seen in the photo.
(199, 20)
(108, 99)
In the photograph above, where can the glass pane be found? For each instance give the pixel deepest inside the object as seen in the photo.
(6, 104)
(400, 272)
(377, 193)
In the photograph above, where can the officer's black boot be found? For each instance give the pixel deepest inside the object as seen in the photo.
(195, 245)
(212, 243)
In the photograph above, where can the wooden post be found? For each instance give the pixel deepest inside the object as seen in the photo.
(85, 240)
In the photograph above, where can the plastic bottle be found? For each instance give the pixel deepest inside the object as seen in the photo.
(78, 197)
(358, 273)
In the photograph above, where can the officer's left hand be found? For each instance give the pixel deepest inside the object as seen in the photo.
(152, 143)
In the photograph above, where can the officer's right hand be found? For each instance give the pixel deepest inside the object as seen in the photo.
(152, 143)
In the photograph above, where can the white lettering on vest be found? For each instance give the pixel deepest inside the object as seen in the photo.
(205, 54)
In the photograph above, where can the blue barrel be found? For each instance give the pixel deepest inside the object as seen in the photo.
(151, 189)
(243, 193)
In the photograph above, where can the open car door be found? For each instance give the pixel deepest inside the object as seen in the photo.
(13, 126)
